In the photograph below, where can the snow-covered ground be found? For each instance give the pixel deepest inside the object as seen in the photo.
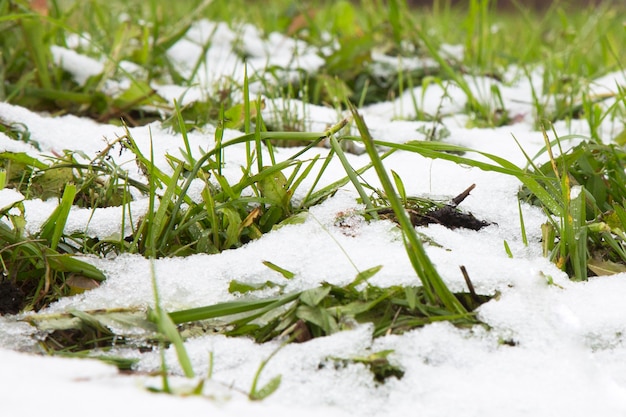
(569, 356)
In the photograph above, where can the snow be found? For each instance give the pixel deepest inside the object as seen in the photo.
(565, 352)
(82, 66)
(9, 197)
(222, 60)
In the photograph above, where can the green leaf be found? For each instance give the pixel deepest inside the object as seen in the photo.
(411, 297)
(353, 309)
(507, 249)
(243, 287)
(365, 275)
(232, 219)
(352, 175)
(271, 386)
(69, 263)
(575, 233)
(319, 317)
(399, 186)
(344, 18)
(228, 308)
(285, 273)
(395, 21)
(159, 227)
(23, 158)
(267, 390)
(435, 288)
(234, 117)
(168, 328)
(314, 296)
(295, 219)
(273, 188)
(139, 93)
(52, 229)
(270, 218)
(91, 321)
(600, 267)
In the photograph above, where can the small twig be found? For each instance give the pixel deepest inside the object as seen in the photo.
(459, 198)
(395, 317)
(470, 286)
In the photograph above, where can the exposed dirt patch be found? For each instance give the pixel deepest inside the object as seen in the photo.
(11, 298)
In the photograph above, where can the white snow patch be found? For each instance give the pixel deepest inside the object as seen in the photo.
(549, 350)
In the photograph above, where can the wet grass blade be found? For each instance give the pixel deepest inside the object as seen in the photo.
(168, 328)
(227, 309)
(574, 233)
(315, 197)
(436, 290)
(69, 263)
(52, 230)
(257, 394)
(438, 150)
(284, 272)
(352, 176)
(157, 227)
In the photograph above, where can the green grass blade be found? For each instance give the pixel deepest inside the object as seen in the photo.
(434, 286)
(52, 229)
(68, 263)
(438, 150)
(183, 131)
(315, 197)
(157, 228)
(225, 309)
(168, 328)
(257, 394)
(284, 272)
(576, 234)
(352, 176)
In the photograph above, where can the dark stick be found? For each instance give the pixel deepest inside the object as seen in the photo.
(470, 286)
(459, 198)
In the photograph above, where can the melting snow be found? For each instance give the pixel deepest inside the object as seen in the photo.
(569, 353)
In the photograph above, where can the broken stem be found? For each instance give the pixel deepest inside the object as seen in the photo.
(470, 286)
(459, 198)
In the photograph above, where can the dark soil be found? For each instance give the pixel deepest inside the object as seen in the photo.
(11, 298)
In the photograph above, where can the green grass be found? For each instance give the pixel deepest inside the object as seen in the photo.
(561, 50)
(573, 47)
(590, 180)
(37, 270)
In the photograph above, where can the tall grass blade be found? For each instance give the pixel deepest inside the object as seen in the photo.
(436, 290)
(227, 309)
(352, 176)
(52, 230)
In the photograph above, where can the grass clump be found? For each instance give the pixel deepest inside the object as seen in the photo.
(566, 48)
(589, 238)
(327, 309)
(99, 182)
(296, 317)
(38, 81)
(35, 269)
(230, 214)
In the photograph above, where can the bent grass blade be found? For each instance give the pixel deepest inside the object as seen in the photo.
(436, 289)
